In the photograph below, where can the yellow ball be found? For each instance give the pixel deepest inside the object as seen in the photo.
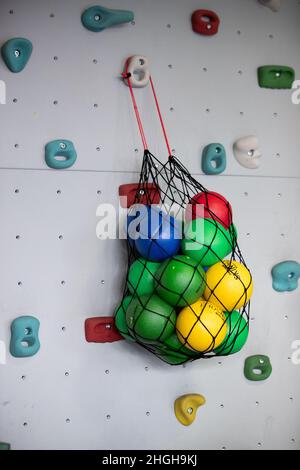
(229, 285)
(201, 326)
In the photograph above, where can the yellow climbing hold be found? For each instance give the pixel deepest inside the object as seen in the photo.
(186, 406)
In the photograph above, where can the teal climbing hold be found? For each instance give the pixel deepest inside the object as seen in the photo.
(275, 76)
(4, 446)
(97, 18)
(213, 159)
(60, 154)
(16, 53)
(257, 367)
(24, 340)
(285, 276)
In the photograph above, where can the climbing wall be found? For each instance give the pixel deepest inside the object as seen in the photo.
(79, 395)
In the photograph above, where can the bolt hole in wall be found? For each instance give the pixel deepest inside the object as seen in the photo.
(67, 191)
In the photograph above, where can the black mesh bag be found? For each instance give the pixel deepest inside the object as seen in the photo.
(188, 287)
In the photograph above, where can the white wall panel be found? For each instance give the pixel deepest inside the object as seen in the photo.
(120, 380)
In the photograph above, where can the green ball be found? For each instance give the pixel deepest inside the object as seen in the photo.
(174, 359)
(120, 317)
(172, 345)
(150, 319)
(141, 277)
(236, 336)
(171, 351)
(171, 358)
(180, 281)
(207, 241)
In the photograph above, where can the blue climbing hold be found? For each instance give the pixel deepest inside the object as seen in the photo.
(16, 53)
(24, 340)
(97, 18)
(213, 159)
(60, 154)
(285, 276)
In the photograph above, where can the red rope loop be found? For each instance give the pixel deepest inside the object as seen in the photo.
(160, 118)
(127, 76)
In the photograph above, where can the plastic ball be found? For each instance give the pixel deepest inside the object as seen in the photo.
(201, 326)
(207, 241)
(237, 334)
(150, 319)
(141, 276)
(172, 345)
(229, 285)
(173, 352)
(210, 205)
(120, 317)
(173, 359)
(155, 235)
(180, 281)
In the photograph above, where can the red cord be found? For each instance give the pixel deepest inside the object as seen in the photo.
(160, 118)
(137, 114)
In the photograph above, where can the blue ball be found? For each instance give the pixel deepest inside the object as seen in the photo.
(154, 234)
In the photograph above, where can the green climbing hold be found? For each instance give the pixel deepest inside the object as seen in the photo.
(275, 76)
(60, 154)
(141, 276)
(4, 446)
(120, 318)
(97, 18)
(16, 53)
(257, 367)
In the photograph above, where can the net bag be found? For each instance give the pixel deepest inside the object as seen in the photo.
(187, 287)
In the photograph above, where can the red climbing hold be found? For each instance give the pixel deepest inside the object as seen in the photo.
(135, 193)
(205, 22)
(101, 330)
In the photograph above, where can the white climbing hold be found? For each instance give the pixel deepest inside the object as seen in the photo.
(246, 151)
(138, 67)
(274, 5)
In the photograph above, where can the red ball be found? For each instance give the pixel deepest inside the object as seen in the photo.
(210, 205)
